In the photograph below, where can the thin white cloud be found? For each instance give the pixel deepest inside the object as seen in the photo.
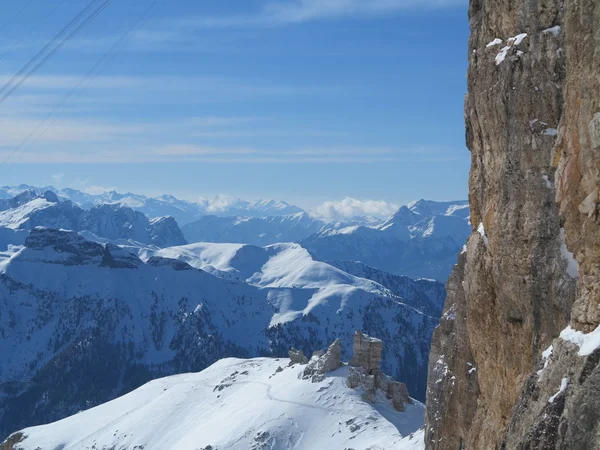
(195, 150)
(98, 190)
(352, 207)
(58, 177)
(113, 154)
(284, 12)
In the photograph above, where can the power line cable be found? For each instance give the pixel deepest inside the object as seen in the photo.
(61, 44)
(90, 76)
(53, 41)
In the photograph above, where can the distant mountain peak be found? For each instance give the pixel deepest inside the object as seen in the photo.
(50, 196)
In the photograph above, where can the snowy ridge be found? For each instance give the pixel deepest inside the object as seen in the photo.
(137, 319)
(239, 405)
(263, 230)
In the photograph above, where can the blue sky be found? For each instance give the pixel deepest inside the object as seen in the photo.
(300, 100)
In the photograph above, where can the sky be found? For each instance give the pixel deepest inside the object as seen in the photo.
(308, 101)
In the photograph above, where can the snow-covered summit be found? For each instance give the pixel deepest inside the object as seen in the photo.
(237, 404)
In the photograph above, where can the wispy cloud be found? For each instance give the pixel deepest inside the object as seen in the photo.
(58, 177)
(97, 190)
(352, 207)
(284, 12)
(118, 155)
(168, 90)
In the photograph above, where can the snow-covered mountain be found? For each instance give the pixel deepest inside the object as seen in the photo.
(228, 206)
(71, 309)
(182, 211)
(252, 230)
(239, 405)
(421, 240)
(262, 230)
(111, 221)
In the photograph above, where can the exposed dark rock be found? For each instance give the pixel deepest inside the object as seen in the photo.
(297, 357)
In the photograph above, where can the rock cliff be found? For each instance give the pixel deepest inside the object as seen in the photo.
(529, 275)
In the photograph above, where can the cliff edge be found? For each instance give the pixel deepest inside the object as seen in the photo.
(515, 359)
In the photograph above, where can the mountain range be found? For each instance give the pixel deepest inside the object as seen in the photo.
(28, 210)
(82, 322)
(421, 240)
(182, 211)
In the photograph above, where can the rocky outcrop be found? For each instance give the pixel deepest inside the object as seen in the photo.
(367, 352)
(297, 357)
(531, 265)
(364, 371)
(323, 363)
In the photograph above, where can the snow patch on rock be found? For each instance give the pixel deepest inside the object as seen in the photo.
(513, 41)
(587, 342)
(563, 387)
(572, 264)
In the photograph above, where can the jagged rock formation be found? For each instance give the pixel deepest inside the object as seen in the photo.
(531, 265)
(297, 357)
(323, 363)
(364, 371)
(367, 352)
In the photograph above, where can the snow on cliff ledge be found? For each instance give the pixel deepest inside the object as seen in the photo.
(240, 405)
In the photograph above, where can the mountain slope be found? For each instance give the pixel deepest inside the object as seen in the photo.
(72, 308)
(335, 301)
(240, 405)
(425, 295)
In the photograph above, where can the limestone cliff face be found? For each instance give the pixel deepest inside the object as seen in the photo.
(533, 127)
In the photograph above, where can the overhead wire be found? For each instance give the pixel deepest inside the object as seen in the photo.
(22, 76)
(76, 92)
(61, 44)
